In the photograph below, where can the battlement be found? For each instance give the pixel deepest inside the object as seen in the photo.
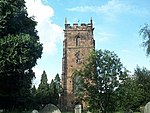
(82, 26)
(76, 26)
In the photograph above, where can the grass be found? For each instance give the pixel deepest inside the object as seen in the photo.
(115, 112)
(66, 112)
(28, 112)
(17, 112)
(62, 112)
(72, 112)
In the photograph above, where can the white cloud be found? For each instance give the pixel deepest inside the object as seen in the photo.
(38, 73)
(83, 9)
(127, 52)
(113, 8)
(104, 36)
(40, 11)
(50, 33)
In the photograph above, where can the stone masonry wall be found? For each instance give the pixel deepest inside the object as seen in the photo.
(78, 42)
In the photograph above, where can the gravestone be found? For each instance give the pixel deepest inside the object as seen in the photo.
(77, 109)
(34, 111)
(141, 109)
(147, 108)
(50, 108)
(128, 110)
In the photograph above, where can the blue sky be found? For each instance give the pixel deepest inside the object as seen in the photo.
(117, 24)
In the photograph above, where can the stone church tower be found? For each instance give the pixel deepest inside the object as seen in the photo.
(77, 44)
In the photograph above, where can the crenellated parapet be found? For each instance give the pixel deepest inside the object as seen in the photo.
(76, 26)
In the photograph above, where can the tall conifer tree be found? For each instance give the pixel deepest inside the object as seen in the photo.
(43, 92)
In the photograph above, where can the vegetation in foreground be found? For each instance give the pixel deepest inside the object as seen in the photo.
(112, 87)
(62, 112)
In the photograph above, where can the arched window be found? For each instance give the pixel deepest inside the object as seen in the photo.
(77, 41)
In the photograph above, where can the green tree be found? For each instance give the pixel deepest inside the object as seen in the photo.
(18, 55)
(20, 49)
(142, 77)
(100, 78)
(34, 99)
(129, 95)
(33, 90)
(54, 93)
(43, 91)
(135, 90)
(14, 19)
(57, 81)
(145, 32)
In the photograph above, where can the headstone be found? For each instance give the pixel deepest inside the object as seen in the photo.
(147, 108)
(141, 109)
(77, 109)
(50, 108)
(1, 110)
(34, 111)
(128, 110)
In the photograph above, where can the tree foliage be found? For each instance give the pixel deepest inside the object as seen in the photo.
(142, 78)
(129, 95)
(56, 90)
(54, 93)
(48, 93)
(57, 81)
(14, 19)
(43, 92)
(100, 78)
(145, 32)
(18, 53)
(135, 90)
(20, 49)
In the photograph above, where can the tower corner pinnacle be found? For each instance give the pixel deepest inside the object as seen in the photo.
(65, 20)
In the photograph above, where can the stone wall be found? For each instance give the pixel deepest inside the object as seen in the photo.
(77, 44)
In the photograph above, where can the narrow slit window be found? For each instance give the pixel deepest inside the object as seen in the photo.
(78, 59)
(78, 41)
